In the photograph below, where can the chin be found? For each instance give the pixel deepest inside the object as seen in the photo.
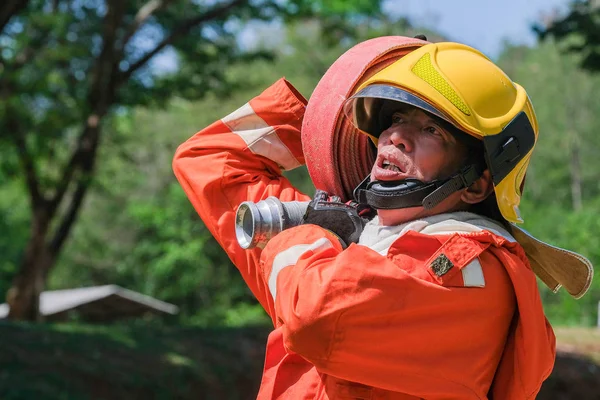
(399, 216)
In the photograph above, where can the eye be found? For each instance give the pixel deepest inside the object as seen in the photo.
(433, 130)
(397, 118)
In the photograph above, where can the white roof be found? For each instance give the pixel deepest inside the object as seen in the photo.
(56, 301)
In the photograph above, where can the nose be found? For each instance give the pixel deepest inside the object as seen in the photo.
(401, 136)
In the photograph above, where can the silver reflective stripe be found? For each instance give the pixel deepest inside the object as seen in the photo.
(290, 257)
(260, 137)
(473, 274)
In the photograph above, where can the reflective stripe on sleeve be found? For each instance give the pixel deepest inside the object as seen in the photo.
(260, 137)
(473, 274)
(290, 257)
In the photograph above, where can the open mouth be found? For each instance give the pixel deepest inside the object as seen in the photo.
(390, 167)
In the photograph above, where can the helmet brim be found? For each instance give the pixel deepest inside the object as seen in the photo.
(363, 109)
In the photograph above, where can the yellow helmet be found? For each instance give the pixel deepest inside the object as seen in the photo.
(462, 86)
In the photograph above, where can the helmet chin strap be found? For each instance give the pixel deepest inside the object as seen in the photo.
(408, 193)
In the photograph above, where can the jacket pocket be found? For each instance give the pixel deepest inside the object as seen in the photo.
(457, 264)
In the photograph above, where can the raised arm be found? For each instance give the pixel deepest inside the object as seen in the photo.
(240, 158)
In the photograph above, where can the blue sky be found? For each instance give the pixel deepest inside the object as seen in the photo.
(483, 24)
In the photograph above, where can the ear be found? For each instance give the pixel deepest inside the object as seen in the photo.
(479, 190)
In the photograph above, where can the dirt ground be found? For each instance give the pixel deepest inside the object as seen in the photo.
(576, 373)
(575, 376)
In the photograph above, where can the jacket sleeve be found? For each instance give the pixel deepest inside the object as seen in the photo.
(381, 321)
(240, 158)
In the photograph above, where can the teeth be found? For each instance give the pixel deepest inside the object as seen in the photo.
(387, 165)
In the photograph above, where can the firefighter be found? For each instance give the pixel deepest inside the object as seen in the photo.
(434, 298)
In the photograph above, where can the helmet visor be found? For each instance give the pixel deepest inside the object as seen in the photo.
(369, 109)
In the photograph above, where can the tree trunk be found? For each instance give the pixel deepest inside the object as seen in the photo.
(104, 78)
(23, 296)
(44, 246)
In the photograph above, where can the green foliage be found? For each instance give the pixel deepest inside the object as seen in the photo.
(579, 31)
(153, 241)
(138, 230)
(566, 105)
(69, 67)
(562, 195)
(568, 109)
(52, 54)
(14, 222)
(578, 231)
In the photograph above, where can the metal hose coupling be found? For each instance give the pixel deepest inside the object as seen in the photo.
(257, 223)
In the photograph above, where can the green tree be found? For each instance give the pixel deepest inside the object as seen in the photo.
(67, 65)
(578, 29)
(561, 196)
(153, 241)
(564, 99)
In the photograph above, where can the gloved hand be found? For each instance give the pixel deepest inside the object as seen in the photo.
(345, 220)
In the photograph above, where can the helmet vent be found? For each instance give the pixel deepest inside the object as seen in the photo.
(425, 70)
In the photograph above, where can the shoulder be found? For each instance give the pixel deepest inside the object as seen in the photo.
(468, 260)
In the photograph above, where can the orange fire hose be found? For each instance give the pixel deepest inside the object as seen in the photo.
(337, 156)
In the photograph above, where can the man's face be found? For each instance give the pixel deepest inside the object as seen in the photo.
(416, 146)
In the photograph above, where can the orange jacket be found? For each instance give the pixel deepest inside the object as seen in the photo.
(441, 316)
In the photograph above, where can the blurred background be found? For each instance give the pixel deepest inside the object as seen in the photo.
(113, 287)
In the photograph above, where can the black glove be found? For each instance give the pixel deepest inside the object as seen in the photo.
(345, 220)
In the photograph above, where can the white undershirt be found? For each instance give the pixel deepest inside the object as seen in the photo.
(380, 238)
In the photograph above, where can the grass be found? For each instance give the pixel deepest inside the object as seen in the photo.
(579, 340)
(128, 362)
(76, 362)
